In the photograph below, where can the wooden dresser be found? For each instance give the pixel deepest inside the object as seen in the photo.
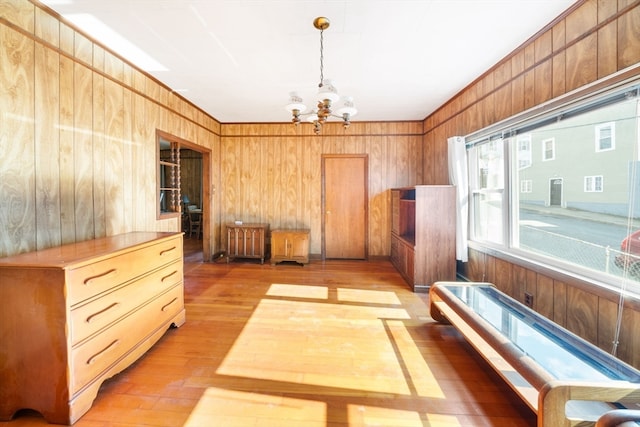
(247, 241)
(290, 245)
(77, 314)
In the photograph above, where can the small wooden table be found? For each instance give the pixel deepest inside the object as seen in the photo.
(290, 245)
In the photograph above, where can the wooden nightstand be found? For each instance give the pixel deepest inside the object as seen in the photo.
(290, 245)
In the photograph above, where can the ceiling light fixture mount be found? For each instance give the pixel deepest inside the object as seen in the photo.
(326, 97)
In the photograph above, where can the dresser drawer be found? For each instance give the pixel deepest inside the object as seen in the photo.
(89, 318)
(93, 279)
(94, 356)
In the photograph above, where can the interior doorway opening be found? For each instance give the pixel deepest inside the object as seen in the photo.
(193, 182)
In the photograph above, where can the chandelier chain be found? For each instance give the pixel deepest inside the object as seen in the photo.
(321, 58)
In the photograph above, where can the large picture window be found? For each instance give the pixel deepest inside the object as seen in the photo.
(559, 212)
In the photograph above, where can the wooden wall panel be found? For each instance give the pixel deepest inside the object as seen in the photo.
(503, 278)
(99, 153)
(17, 207)
(46, 27)
(582, 313)
(544, 296)
(20, 13)
(558, 70)
(543, 82)
(607, 313)
(520, 283)
(47, 147)
(81, 131)
(67, 198)
(607, 57)
(629, 341)
(277, 178)
(143, 205)
(83, 177)
(581, 63)
(560, 303)
(127, 160)
(629, 38)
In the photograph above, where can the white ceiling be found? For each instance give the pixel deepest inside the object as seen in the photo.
(400, 59)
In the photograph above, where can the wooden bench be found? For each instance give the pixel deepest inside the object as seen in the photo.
(564, 379)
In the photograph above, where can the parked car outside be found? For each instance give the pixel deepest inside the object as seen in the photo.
(630, 257)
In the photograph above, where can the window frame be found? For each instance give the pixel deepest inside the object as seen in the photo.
(577, 102)
(526, 140)
(526, 185)
(593, 180)
(598, 136)
(544, 149)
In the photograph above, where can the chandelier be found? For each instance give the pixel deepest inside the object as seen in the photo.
(326, 97)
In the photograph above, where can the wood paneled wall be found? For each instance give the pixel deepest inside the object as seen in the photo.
(77, 148)
(595, 39)
(272, 173)
(77, 135)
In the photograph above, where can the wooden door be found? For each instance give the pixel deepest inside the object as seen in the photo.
(344, 206)
(555, 192)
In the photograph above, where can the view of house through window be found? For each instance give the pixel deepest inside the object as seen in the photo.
(565, 191)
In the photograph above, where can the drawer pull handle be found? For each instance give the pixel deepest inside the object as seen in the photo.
(106, 274)
(166, 251)
(96, 356)
(98, 314)
(166, 306)
(168, 275)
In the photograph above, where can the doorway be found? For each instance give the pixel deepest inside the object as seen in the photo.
(345, 179)
(194, 181)
(555, 192)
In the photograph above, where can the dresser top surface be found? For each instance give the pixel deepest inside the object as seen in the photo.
(72, 254)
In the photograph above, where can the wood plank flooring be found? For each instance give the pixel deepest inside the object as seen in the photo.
(330, 344)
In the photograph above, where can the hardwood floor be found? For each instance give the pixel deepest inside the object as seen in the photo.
(330, 344)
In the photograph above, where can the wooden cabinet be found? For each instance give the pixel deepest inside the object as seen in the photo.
(77, 314)
(290, 245)
(247, 241)
(423, 234)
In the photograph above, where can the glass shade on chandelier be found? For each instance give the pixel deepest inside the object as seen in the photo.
(326, 97)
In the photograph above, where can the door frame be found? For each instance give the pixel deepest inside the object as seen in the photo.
(366, 200)
(552, 193)
(206, 188)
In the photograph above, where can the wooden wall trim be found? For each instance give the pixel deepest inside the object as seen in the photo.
(121, 82)
(444, 117)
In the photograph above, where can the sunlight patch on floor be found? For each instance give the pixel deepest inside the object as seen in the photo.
(298, 291)
(364, 416)
(422, 379)
(353, 351)
(229, 408)
(339, 345)
(368, 296)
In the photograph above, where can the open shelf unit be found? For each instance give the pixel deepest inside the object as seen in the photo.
(423, 234)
